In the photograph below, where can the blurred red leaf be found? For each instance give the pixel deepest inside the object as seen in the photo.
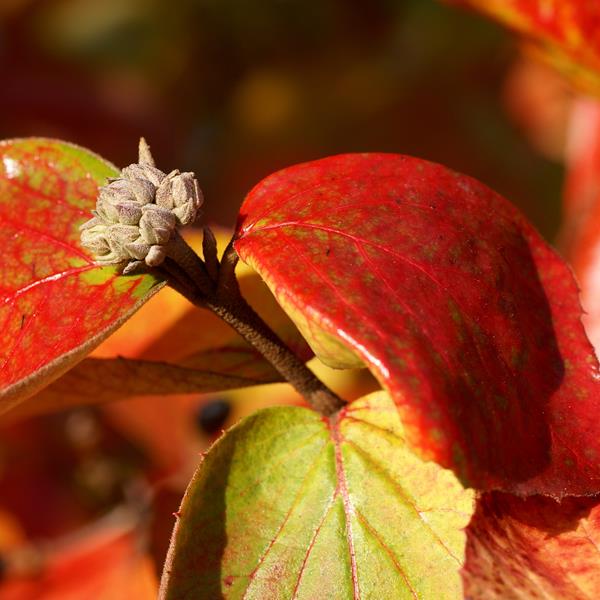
(565, 32)
(107, 563)
(581, 228)
(539, 101)
(454, 302)
(533, 548)
(55, 303)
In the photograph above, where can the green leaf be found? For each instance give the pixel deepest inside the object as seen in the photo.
(291, 505)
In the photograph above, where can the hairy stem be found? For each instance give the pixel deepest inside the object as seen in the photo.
(224, 298)
(190, 264)
(237, 313)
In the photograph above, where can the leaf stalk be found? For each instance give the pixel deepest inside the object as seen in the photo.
(217, 289)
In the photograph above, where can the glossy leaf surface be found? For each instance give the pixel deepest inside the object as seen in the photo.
(566, 32)
(451, 298)
(56, 305)
(288, 505)
(533, 548)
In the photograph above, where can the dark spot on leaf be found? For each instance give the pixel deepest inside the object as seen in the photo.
(212, 415)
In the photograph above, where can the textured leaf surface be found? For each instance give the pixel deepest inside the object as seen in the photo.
(566, 31)
(522, 549)
(55, 304)
(288, 505)
(452, 299)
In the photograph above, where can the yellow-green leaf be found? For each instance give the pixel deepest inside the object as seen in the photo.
(291, 505)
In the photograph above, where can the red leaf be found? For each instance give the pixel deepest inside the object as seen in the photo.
(55, 303)
(533, 548)
(451, 298)
(565, 32)
(107, 563)
(581, 230)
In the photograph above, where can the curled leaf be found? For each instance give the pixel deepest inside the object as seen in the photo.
(530, 548)
(450, 297)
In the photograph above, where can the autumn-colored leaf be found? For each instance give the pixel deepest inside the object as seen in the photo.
(533, 548)
(100, 380)
(565, 32)
(291, 505)
(454, 302)
(56, 305)
(581, 228)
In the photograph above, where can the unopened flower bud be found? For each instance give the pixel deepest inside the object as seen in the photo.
(138, 249)
(157, 224)
(138, 212)
(94, 238)
(143, 172)
(156, 255)
(142, 189)
(120, 235)
(129, 213)
(179, 192)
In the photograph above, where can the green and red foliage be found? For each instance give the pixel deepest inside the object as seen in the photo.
(475, 470)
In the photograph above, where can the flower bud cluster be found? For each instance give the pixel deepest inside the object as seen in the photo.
(137, 213)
